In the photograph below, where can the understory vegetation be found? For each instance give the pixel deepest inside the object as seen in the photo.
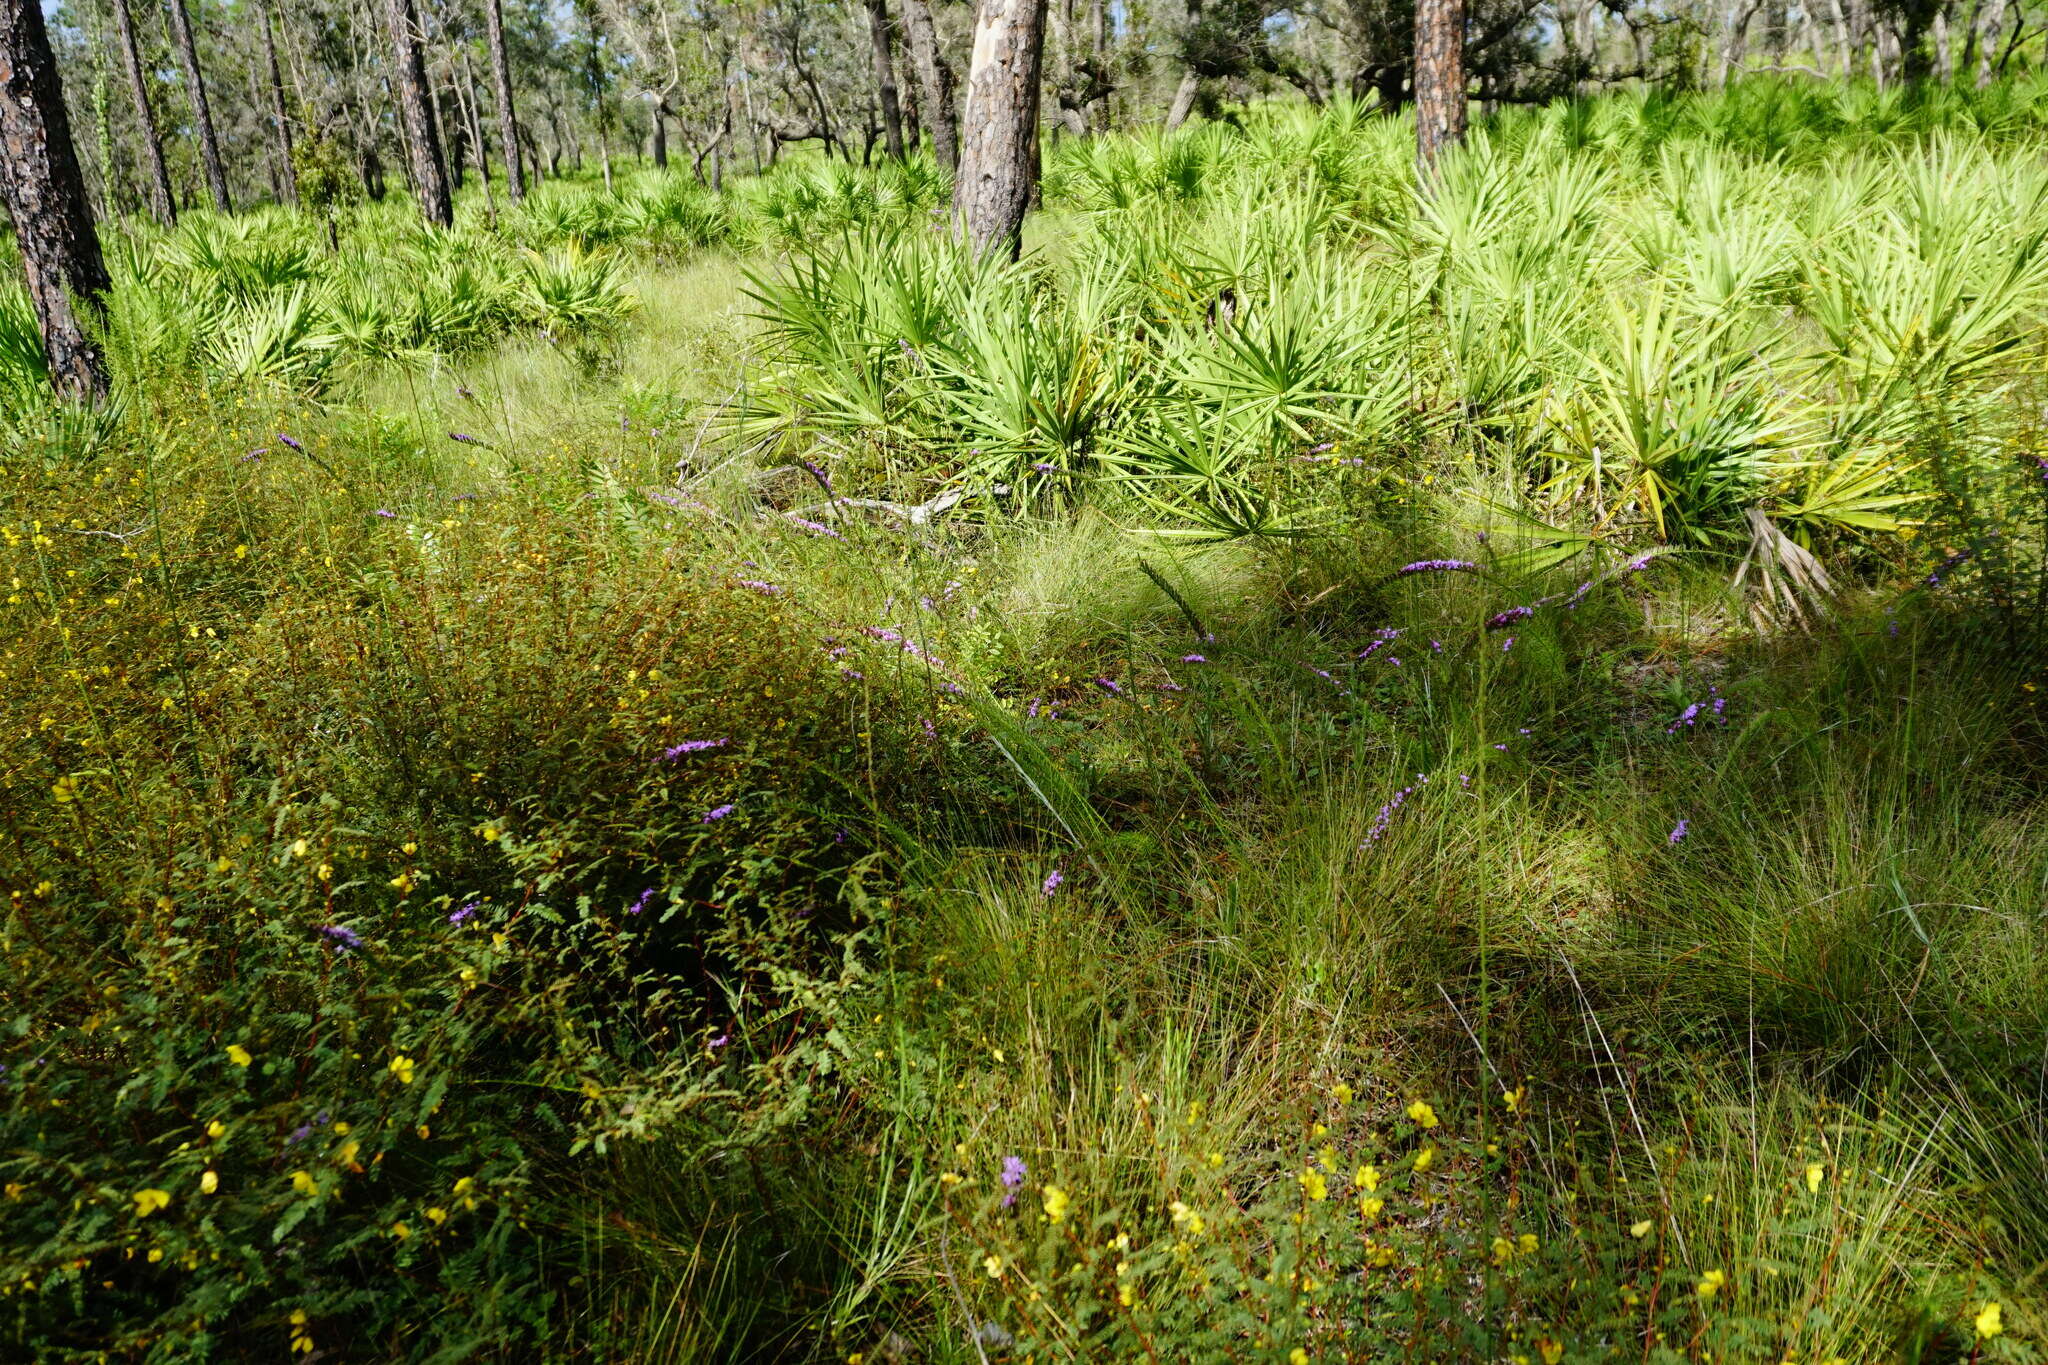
(1316, 771)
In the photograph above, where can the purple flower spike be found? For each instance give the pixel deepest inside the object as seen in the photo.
(385, 512)
(1052, 882)
(646, 899)
(719, 812)
(256, 455)
(1678, 831)
(464, 437)
(464, 915)
(1014, 1172)
(288, 442)
(1112, 688)
(341, 937)
(1436, 566)
(1509, 617)
(692, 746)
(1193, 659)
(756, 585)
(720, 1041)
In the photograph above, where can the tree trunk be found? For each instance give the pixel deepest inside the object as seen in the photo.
(288, 178)
(422, 146)
(1190, 87)
(1845, 46)
(501, 81)
(1994, 23)
(473, 122)
(45, 194)
(202, 109)
(660, 137)
(885, 76)
(1183, 99)
(1944, 65)
(452, 138)
(937, 79)
(1439, 77)
(145, 118)
(999, 135)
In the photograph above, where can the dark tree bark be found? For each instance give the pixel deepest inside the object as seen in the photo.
(999, 135)
(937, 80)
(160, 197)
(45, 194)
(885, 76)
(288, 178)
(1190, 87)
(661, 135)
(1439, 77)
(423, 147)
(453, 140)
(508, 121)
(202, 109)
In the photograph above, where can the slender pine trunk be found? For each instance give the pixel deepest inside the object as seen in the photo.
(422, 145)
(508, 120)
(288, 176)
(202, 108)
(161, 199)
(937, 79)
(885, 76)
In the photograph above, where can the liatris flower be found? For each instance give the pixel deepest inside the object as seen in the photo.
(384, 512)
(464, 437)
(817, 471)
(1436, 566)
(1436, 646)
(1685, 718)
(1110, 687)
(1170, 687)
(1509, 617)
(256, 455)
(720, 1041)
(1507, 644)
(719, 812)
(1640, 563)
(646, 898)
(464, 915)
(288, 442)
(1393, 806)
(1014, 1174)
(1942, 569)
(756, 585)
(692, 746)
(1678, 831)
(1193, 659)
(1043, 468)
(1052, 882)
(342, 937)
(816, 528)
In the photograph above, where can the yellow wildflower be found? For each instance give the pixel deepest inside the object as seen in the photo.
(1367, 1178)
(239, 1055)
(1815, 1173)
(1513, 1099)
(1989, 1321)
(1297, 1356)
(1711, 1284)
(437, 1216)
(1527, 1244)
(215, 1128)
(993, 1264)
(400, 1231)
(1343, 1092)
(209, 1182)
(1424, 1159)
(1422, 1114)
(1552, 1351)
(1314, 1186)
(304, 1183)
(1370, 1205)
(149, 1201)
(401, 1067)
(1503, 1251)
(1641, 1229)
(1055, 1201)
